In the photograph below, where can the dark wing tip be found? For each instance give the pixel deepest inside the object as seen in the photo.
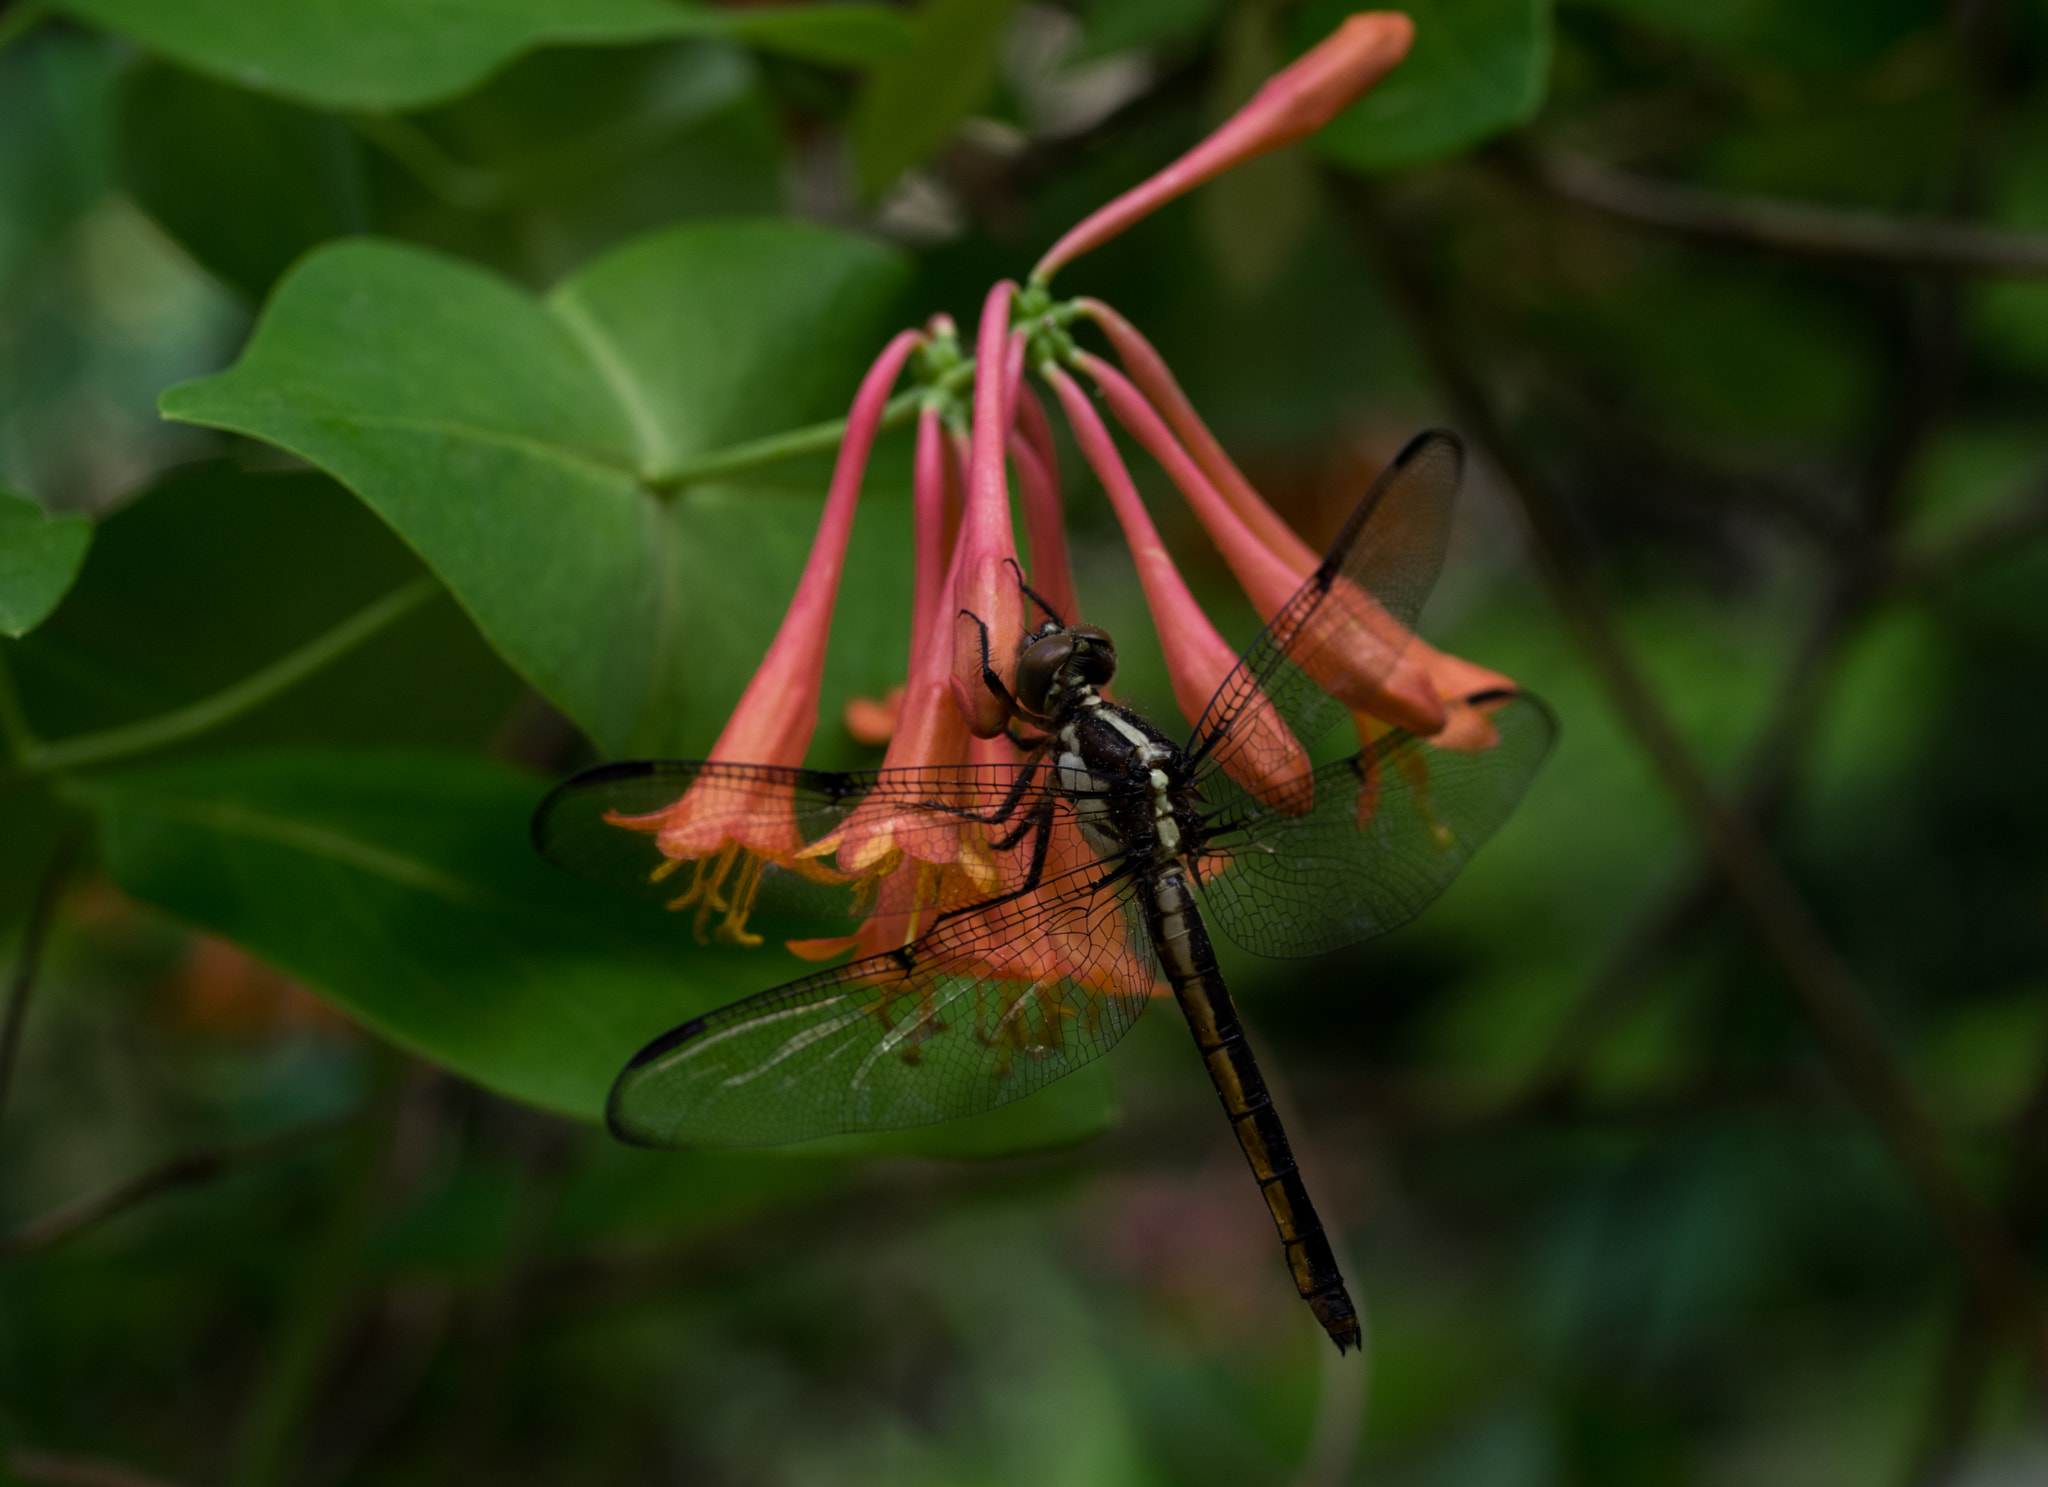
(597, 774)
(674, 1038)
(1426, 440)
(616, 1120)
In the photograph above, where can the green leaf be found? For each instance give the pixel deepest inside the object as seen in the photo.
(215, 573)
(847, 35)
(1478, 67)
(507, 440)
(403, 887)
(562, 155)
(400, 54)
(244, 182)
(912, 105)
(39, 557)
(1121, 25)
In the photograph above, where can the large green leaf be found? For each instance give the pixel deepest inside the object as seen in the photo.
(507, 441)
(39, 557)
(403, 887)
(912, 105)
(1478, 67)
(217, 572)
(401, 54)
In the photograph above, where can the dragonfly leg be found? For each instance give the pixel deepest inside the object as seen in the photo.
(1041, 819)
(1008, 805)
(989, 678)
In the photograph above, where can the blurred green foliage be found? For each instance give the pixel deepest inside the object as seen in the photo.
(443, 303)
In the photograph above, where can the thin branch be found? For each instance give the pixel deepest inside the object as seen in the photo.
(1789, 227)
(14, 730)
(189, 1170)
(48, 1469)
(1955, 1399)
(21, 20)
(35, 934)
(1856, 585)
(1822, 984)
(225, 706)
(1992, 536)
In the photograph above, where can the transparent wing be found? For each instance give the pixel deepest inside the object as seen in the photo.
(995, 1003)
(1389, 829)
(585, 823)
(1351, 620)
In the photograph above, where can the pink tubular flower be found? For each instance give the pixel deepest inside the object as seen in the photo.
(1355, 649)
(1197, 658)
(1147, 368)
(985, 573)
(1294, 103)
(906, 859)
(778, 713)
(1423, 672)
(1045, 523)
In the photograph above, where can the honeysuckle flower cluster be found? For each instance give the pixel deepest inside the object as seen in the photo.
(972, 588)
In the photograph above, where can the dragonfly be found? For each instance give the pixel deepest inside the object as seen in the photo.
(1041, 905)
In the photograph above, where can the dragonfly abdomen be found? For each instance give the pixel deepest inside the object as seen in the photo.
(1190, 961)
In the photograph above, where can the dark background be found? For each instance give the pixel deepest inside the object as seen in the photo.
(1698, 1136)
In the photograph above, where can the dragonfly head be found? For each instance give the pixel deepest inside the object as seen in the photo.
(1059, 659)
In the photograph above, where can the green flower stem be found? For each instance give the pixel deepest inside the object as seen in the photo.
(37, 757)
(816, 439)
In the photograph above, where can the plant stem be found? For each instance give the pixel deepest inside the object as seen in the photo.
(49, 1469)
(1822, 984)
(37, 757)
(21, 20)
(415, 151)
(192, 1168)
(793, 444)
(34, 935)
(13, 726)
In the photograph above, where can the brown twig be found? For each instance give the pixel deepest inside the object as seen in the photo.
(48, 1469)
(1990, 537)
(1954, 1399)
(1856, 584)
(1788, 227)
(189, 1170)
(1822, 984)
(28, 960)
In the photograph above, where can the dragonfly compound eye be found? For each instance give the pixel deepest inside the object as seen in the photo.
(1038, 667)
(1095, 655)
